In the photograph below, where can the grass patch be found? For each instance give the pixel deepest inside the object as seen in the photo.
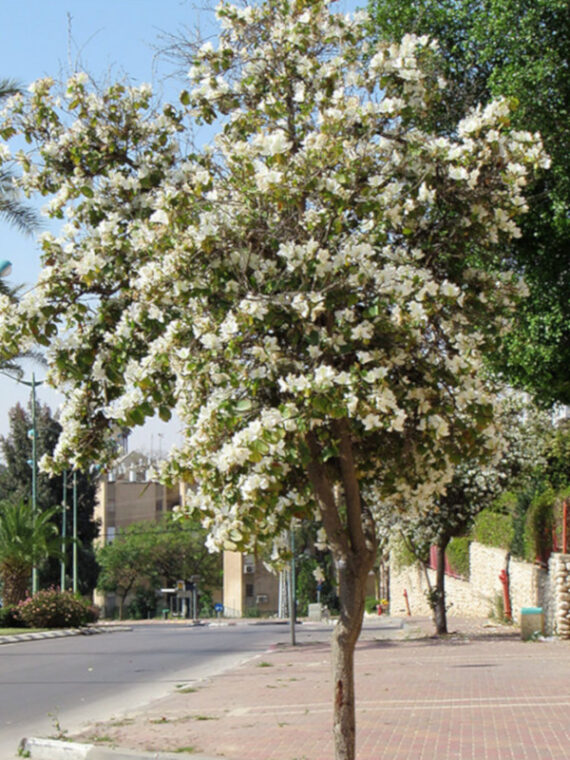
(186, 689)
(264, 664)
(16, 631)
(205, 717)
(189, 750)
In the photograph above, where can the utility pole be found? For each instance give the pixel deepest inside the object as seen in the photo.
(292, 601)
(34, 435)
(75, 531)
(63, 530)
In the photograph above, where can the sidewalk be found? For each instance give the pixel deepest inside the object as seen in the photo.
(480, 694)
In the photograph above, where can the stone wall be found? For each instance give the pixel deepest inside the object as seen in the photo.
(478, 596)
(557, 614)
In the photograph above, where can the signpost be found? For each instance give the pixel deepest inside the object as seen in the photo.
(188, 590)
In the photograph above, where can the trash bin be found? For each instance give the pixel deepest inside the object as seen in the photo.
(165, 613)
(532, 622)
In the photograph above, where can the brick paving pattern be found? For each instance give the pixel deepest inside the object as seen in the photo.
(480, 696)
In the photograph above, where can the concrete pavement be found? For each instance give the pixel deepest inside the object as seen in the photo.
(479, 694)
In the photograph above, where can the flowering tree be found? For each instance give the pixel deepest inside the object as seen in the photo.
(522, 431)
(307, 292)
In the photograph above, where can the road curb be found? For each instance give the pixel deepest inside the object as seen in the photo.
(54, 749)
(61, 632)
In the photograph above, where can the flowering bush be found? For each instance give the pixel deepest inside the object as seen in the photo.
(9, 617)
(52, 608)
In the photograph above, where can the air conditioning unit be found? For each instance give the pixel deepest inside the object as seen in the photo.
(261, 599)
(249, 569)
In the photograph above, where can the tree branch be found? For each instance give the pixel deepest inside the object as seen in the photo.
(351, 487)
(326, 499)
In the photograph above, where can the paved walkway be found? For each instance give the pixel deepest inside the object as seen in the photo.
(481, 694)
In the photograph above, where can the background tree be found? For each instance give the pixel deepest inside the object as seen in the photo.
(124, 564)
(146, 556)
(302, 292)
(26, 540)
(516, 49)
(179, 551)
(12, 210)
(526, 432)
(15, 485)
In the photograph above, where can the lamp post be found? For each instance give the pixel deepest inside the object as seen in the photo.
(63, 531)
(74, 531)
(292, 599)
(34, 434)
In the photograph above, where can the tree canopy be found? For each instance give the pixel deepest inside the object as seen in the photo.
(516, 49)
(150, 555)
(303, 291)
(15, 486)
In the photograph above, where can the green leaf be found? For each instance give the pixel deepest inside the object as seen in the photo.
(164, 413)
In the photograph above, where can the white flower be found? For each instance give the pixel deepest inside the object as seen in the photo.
(371, 422)
(324, 376)
(363, 331)
(159, 217)
(270, 145)
(266, 178)
(458, 172)
(210, 341)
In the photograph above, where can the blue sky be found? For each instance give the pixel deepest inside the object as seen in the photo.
(109, 39)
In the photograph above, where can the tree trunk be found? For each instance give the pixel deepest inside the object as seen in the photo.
(16, 582)
(345, 635)
(439, 613)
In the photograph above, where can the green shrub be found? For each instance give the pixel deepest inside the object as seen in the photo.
(371, 604)
(9, 617)
(143, 605)
(539, 526)
(404, 556)
(494, 529)
(457, 553)
(56, 609)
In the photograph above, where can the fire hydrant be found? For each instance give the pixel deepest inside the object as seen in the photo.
(504, 578)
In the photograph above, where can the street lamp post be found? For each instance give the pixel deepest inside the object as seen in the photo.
(292, 599)
(34, 434)
(63, 531)
(75, 532)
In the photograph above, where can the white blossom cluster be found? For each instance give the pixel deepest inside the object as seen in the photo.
(522, 434)
(309, 267)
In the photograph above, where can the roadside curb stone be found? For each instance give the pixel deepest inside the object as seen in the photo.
(61, 632)
(54, 749)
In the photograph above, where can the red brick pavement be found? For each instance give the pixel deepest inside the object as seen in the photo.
(479, 696)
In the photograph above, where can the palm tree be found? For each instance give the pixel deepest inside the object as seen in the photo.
(26, 540)
(12, 210)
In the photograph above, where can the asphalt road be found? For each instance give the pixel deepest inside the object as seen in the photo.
(55, 685)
